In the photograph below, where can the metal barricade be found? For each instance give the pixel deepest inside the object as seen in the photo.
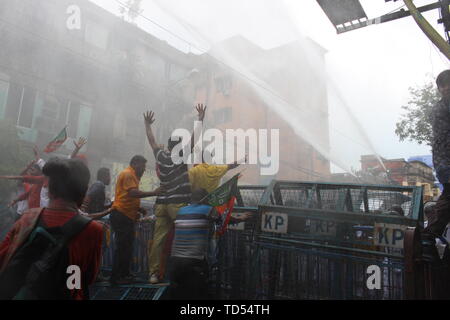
(142, 242)
(318, 240)
(233, 269)
(310, 241)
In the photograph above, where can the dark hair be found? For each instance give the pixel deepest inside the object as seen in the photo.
(172, 143)
(102, 173)
(68, 179)
(198, 195)
(443, 78)
(137, 159)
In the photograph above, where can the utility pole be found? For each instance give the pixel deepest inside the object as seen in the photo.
(348, 15)
(429, 31)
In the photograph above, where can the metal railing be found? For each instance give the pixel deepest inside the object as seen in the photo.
(143, 237)
(317, 240)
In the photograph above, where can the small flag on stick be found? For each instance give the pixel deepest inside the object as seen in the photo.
(223, 199)
(56, 143)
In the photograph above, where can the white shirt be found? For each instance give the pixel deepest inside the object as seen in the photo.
(45, 200)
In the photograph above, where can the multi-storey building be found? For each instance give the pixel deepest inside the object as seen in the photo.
(99, 75)
(97, 78)
(235, 104)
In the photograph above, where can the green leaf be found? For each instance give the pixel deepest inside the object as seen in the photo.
(415, 123)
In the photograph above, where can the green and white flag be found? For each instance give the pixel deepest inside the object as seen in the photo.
(57, 142)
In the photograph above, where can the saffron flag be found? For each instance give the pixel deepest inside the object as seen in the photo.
(223, 199)
(57, 142)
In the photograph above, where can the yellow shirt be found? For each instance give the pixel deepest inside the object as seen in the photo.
(127, 205)
(207, 176)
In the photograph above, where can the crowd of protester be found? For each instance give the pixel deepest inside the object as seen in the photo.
(54, 200)
(57, 212)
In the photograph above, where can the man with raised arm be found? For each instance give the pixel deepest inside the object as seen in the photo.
(175, 179)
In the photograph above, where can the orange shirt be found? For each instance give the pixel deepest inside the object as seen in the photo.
(127, 205)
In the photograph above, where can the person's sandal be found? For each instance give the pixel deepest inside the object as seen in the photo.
(154, 279)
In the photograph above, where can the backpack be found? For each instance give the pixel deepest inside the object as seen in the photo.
(38, 268)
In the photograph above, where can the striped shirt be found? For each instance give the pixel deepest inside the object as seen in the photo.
(192, 228)
(174, 178)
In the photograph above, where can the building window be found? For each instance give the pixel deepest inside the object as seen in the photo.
(72, 119)
(77, 117)
(223, 115)
(45, 113)
(54, 113)
(50, 108)
(49, 111)
(13, 102)
(84, 121)
(4, 87)
(27, 108)
(20, 104)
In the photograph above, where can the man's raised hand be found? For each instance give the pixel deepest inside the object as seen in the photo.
(80, 143)
(201, 111)
(149, 118)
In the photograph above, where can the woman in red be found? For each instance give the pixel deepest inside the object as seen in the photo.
(68, 183)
